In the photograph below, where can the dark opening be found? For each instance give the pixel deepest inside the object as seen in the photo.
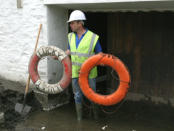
(144, 42)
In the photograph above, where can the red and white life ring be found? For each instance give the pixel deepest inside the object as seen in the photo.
(33, 71)
(118, 66)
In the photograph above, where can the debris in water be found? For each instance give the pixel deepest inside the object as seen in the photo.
(1, 117)
(43, 128)
(104, 127)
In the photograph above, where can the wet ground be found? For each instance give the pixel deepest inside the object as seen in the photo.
(129, 116)
(8, 100)
(125, 116)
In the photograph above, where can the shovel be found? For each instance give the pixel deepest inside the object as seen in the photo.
(23, 109)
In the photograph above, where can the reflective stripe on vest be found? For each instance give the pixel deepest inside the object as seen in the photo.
(70, 37)
(89, 51)
(77, 63)
(81, 53)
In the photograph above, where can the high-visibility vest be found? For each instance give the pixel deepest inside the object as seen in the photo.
(82, 52)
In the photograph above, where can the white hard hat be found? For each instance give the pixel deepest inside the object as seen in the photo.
(76, 15)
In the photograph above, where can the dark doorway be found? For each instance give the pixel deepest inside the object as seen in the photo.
(97, 22)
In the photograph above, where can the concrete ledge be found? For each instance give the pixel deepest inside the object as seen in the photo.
(50, 101)
(154, 99)
(135, 97)
(171, 101)
(13, 85)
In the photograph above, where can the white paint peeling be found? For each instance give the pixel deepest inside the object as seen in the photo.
(48, 88)
(51, 51)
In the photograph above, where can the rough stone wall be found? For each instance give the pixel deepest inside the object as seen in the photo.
(18, 33)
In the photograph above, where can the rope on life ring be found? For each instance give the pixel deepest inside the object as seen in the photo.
(118, 66)
(33, 69)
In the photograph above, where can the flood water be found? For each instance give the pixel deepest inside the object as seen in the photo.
(125, 116)
(130, 116)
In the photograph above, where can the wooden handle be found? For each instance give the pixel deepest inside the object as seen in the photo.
(27, 86)
(37, 38)
(28, 81)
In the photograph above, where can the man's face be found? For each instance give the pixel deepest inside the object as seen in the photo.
(75, 26)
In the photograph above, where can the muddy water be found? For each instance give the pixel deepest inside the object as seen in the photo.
(131, 116)
(8, 99)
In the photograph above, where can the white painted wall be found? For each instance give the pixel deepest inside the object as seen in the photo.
(57, 36)
(18, 33)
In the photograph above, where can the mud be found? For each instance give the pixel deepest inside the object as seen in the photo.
(8, 99)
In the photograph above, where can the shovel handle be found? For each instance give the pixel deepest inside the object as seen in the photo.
(37, 38)
(28, 81)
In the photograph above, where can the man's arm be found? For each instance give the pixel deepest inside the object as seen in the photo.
(98, 48)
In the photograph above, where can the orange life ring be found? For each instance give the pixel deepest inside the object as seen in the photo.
(118, 66)
(33, 71)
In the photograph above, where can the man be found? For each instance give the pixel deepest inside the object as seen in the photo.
(82, 44)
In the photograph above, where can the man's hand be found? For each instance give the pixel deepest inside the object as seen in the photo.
(55, 57)
(67, 52)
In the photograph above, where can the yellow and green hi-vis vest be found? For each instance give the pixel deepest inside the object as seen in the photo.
(83, 52)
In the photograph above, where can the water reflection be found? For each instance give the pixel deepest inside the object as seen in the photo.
(130, 117)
